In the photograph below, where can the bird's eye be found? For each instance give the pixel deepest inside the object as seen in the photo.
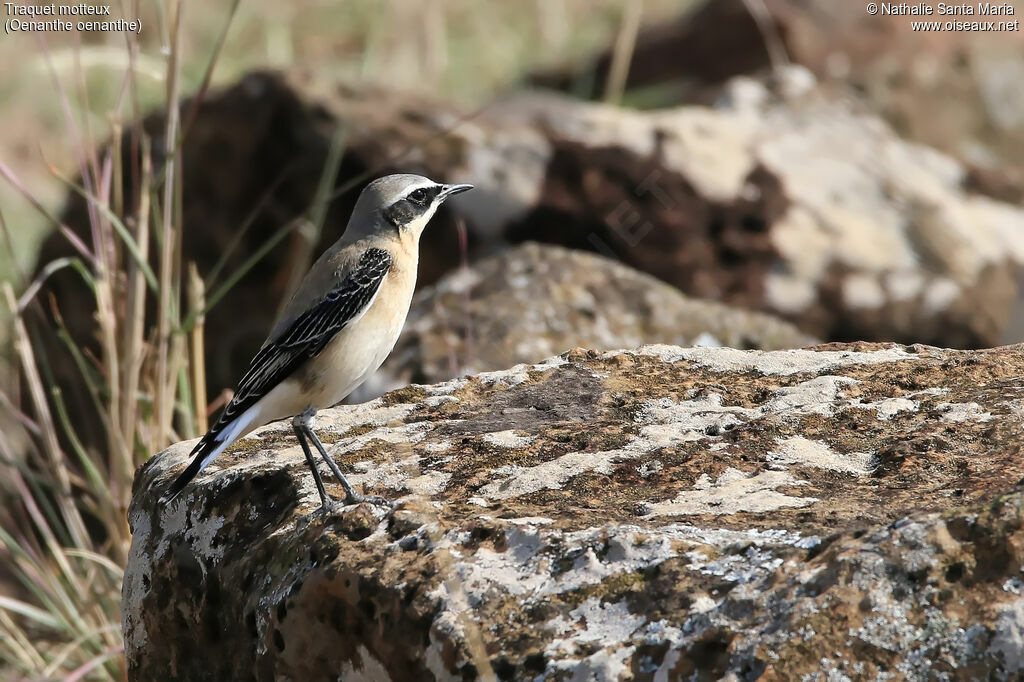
(417, 196)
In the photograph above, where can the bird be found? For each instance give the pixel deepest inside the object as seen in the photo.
(338, 327)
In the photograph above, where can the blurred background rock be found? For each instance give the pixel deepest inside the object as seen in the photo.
(956, 91)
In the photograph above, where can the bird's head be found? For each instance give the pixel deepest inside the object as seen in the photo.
(400, 203)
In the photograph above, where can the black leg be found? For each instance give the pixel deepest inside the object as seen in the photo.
(325, 501)
(351, 496)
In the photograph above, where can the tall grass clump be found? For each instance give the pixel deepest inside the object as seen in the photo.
(63, 532)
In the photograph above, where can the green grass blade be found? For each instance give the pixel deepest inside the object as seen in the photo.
(118, 224)
(36, 615)
(240, 272)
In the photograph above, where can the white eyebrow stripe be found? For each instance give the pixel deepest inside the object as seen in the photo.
(413, 188)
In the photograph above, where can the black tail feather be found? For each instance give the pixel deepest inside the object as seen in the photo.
(200, 451)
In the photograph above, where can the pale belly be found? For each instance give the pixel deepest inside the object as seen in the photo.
(354, 353)
(351, 358)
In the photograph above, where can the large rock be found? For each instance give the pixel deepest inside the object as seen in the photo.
(848, 511)
(537, 300)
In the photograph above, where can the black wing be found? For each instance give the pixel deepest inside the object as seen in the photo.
(303, 339)
(308, 334)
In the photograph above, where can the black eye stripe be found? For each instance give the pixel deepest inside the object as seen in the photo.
(416, 203)
(423, 196)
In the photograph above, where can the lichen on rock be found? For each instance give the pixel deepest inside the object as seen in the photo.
(648, 514)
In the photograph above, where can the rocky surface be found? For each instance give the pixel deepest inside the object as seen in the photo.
(537, 300)
(842, 512)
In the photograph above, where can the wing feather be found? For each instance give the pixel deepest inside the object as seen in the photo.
(308, 334)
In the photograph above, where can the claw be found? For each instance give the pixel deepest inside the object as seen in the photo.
(355, 498)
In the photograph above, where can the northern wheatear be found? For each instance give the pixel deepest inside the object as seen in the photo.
(338, 327)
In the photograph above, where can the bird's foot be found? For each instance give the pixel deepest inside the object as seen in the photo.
(328, 507)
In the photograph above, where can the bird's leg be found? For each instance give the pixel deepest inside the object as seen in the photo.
(351, 496)
(325, 502)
